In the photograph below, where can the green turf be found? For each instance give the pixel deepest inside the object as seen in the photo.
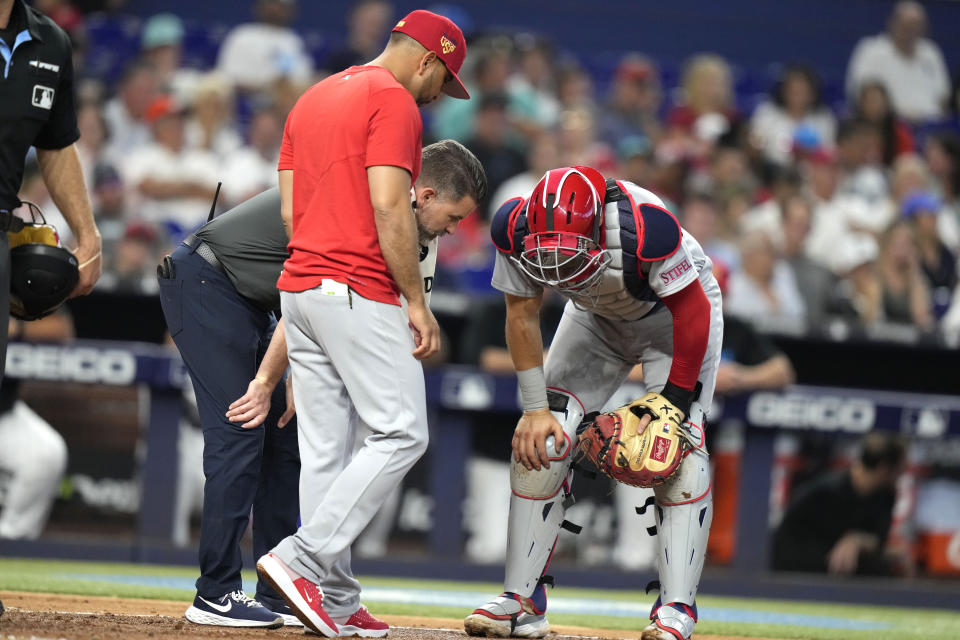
(48, 576)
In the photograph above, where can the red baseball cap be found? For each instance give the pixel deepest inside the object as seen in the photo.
(440, 35)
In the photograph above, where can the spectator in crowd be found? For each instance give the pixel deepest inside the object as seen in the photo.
(781, 183)
(815, 282)
(492, 142)
(699, 216)
(108, 195)
(284, 93)
(942, 153)
(455, 118)
(574, 86)
(838, 523)
(637, 164)
(161, 44)
(909, 65)
(706, 112)
(125, 112)
(861, 172)
(873, 105)
(796, 103)
(938, 263)
(93, 141)
(541, 157)
(255, 54)
(832, 211)
(727, 172)
(534, 107)
(634, 103)
(253, 168)
(131, 268)
(211, 126)
(31, 451)
(859, 291)
(764, 285)
(906, 294)
(909, 175)
(170, 182)
(367, 21)
(579, 145)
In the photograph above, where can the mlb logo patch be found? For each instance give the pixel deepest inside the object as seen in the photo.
(42, 96)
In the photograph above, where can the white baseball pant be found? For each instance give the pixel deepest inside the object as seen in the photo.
(354, 375)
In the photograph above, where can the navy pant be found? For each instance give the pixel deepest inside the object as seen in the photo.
(222, 339)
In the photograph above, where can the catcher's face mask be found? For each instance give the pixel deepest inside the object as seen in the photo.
(565, 217)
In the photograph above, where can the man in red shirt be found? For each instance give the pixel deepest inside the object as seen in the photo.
(351, 151)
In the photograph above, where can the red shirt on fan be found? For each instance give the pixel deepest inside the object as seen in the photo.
(361, 117)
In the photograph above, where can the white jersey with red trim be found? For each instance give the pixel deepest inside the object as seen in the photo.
(631, 287)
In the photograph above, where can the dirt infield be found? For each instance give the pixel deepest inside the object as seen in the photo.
(42, 616)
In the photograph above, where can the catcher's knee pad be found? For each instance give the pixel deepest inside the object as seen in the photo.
(538, 501)
(684, 513)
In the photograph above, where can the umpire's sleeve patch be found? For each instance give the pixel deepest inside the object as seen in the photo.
(661, 233)
(503, 225)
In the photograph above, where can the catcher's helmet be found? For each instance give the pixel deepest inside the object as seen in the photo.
(42, 273)
(564, 246)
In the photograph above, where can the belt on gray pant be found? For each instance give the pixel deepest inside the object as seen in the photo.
(203, 250)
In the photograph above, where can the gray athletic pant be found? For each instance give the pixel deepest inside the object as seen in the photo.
(354, 377)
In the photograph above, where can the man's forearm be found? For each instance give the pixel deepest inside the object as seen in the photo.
(64, 179)
(275, 360)
(397, 231)
(285, 182)
(524, 339)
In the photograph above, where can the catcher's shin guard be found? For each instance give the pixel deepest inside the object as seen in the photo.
(538, 502)
(684, 512)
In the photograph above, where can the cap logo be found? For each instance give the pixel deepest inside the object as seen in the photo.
(447, 45)
(400, 24)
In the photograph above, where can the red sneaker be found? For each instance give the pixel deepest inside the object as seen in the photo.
(305, 598)
(362, 624)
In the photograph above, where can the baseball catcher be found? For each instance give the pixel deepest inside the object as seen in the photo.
(639, 289)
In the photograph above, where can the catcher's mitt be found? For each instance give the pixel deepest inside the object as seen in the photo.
(642, 459)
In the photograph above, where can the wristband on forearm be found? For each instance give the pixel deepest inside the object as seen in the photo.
(681, 398)
(533, 389)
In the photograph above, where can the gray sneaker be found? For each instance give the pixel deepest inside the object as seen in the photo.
(507, 616)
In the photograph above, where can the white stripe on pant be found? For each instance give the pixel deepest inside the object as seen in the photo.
(354, 378)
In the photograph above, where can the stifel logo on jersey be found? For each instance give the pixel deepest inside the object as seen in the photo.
(676, 272)
(447, 45)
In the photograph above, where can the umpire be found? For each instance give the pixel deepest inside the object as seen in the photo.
(37, 109)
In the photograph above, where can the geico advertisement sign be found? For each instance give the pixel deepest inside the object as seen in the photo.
(70, 364)
(798, 411)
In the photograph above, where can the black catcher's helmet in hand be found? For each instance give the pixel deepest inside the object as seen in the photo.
(42, 273)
